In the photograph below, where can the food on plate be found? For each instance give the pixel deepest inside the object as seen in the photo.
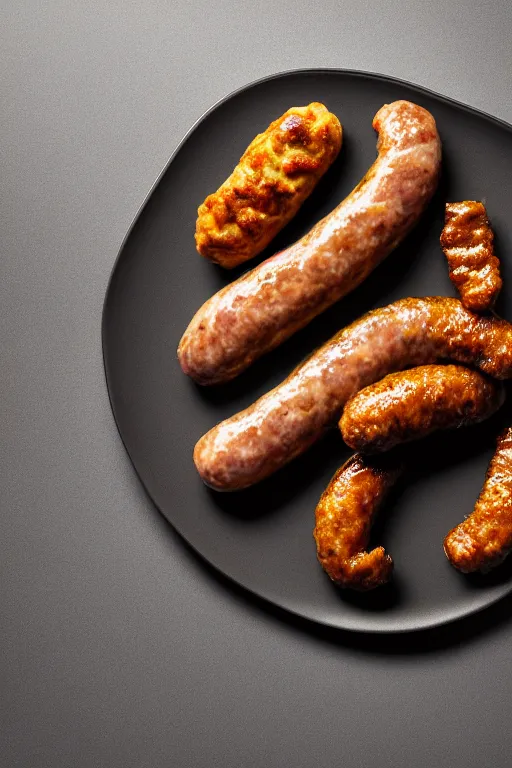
(484, 539)
(268, 304)
(344, 517)
(282, 424)
(467, 242)
(276, 173)
(411, 404)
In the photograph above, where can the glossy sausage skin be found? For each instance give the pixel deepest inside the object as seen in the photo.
(283, 423)
(411, 404)
(268, 304)
(484, 539)
(344, 517)
(467, 242)
(276, 173)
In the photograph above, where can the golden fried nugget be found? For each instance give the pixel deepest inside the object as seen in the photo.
(276, 173)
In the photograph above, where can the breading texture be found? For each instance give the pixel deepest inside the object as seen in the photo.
(266, 305)
(277, 172)
(412, 404)
(467, 241)
(484, 539)
(344, 517)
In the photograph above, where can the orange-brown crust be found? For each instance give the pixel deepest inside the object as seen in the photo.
(276, 173)
(282, 424)
(467, 242)
(257, 312)
(344, 517)
(411, 404)
(484, 539)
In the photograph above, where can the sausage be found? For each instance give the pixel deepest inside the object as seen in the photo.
(283, 423)
(412, 404)
(484, 539)
(344, 516)
(268, 304)
(467, 242)
(276, 173)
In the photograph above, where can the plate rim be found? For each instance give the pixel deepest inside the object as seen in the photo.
(352, 624)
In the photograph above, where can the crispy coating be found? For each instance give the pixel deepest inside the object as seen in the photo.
(411, 404)
(484, 539)
(276, 173)
(265, 306)
(467, 242)
(344, 517)
(283, 423)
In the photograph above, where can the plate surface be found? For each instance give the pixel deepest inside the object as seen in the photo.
(262, 537)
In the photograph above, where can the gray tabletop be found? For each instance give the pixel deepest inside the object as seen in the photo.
(119, 647)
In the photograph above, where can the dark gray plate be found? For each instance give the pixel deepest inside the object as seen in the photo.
(262, 538)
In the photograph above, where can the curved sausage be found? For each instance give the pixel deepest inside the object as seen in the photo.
(467, 242)
(267, 305)
(344, 516)
(283, 423)
(484, 539)
(412, 404)
(276, 173)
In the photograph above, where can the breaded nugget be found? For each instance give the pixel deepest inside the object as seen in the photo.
(276, 173)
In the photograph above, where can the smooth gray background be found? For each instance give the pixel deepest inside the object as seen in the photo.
(119, 648)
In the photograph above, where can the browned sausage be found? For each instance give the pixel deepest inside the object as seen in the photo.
(276, 173)
(283, 423)
(412, 404)
(344, 517)
(267, 305)
(484, 539)
(467, 241)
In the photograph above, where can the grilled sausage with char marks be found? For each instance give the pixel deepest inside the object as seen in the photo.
(344, 517)
(484, 539)
(264, 307)
(283, 423)
(467, 242)
(412, 404)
